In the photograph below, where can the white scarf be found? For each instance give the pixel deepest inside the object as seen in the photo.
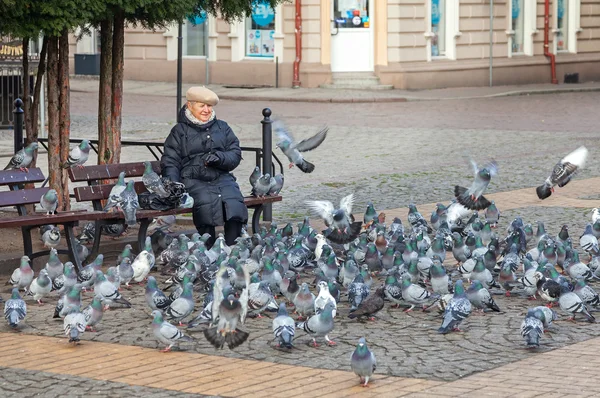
(196, 121)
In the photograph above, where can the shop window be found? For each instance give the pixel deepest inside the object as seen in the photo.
(443, 23)
(351, 13)
(567, 25)
(260, 32)
(517, 13)
(562, 25)
(195, 36)
(438, 28)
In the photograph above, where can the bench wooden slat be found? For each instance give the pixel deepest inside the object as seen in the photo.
(101, 192)
(12, 177)
(39, 219)
(109, 171)
(22, 196)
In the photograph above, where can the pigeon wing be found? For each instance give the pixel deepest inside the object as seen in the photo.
(323, 209)
(244, 295)
(346, 204)
(313, 142)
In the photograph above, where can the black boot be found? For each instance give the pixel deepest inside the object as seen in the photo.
(233, 230)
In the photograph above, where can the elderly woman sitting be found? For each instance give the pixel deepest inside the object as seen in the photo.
(200, 152)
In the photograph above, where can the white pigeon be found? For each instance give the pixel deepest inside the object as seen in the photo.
(323, 298)
(74, 324)
(142, 265)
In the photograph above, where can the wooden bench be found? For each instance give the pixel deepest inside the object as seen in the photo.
(19, 197)
(96, 192)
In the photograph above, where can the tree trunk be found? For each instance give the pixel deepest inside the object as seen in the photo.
(65, 113)
(117, 86)
(37, 93)
(26, 103)
(105, 94)
(54, 170)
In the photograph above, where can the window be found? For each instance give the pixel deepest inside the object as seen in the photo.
(518, 26)
(562, 25)
(194, 37)
(260, 32)
(438, 28)
(351, 14)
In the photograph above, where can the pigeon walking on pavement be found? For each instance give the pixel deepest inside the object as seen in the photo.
(21, 277)
(532, 327)
(15, 309)
(93, 314)
(49, 201)
(342, 227)
(155, 297)
(472, 198)
(284, 328)
(563, 172)
(370, 306)
(319, 325)
(23, 158)
(363, 362)
(41, 286)
(458, 309)
(293, 150)
(74, 324)
(165, 332)
(78, 155)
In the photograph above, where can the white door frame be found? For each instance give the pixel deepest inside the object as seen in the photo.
(371, 33)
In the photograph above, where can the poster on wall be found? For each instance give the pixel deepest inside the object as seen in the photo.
(260, 31)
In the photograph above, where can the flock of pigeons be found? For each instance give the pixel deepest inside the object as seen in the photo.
(369, 261)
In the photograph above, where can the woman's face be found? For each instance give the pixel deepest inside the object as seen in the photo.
(200, 111)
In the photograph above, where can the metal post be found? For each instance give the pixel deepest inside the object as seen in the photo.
(276, 72)
(491, 40)
(179, 67)
(43, 109)
(18, 126)
(207, 76)
(267, 148)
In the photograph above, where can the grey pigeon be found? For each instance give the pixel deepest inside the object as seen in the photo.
(165, 332)
(357, 291)
(563, 172)
(155, 297)
(457, 310)
(480, 297)
(54, 266)
(343, 228)
(183, 306)
(51, 237)
(256, 174)
(125, 271)
(319, 325)
(362, 362)
(284, 328)
(108, 292)
(414, 294)
(292, 149)
(87, 275)
(112, 275)
(21, 277)
(304, 301)
(370, 306)
(572, 304)
(41, 286)
(278, 186)
(263, 185)
(66, 280)
(74, 324)
(586, 293)
(472, 198)
(230, 312)
(93, 313)
(23, 158)
(152, 181)
(114, 198)
(532, 327)
(78, 155)
(15, 309)
(588, 241)
(49, 201)
(71, 298)
(129, 203)
(259, 299)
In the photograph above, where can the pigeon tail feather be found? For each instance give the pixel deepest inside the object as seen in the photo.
(306, 166)
(342, 237)
(214, 337)
(236, 338)
(463, 197)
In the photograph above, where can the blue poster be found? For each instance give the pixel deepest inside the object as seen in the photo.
(263, 14)
(560, 9)
(198, 19)
(515, 9)
(435, 12)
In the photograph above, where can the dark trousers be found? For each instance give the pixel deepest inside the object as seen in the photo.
(233, 230)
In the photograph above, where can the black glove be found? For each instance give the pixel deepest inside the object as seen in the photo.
(212, 159)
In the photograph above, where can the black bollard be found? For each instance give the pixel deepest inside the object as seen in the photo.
(267, 149)
(179, 69)
(18, 125)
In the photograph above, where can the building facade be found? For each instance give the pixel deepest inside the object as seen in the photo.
(410, 44)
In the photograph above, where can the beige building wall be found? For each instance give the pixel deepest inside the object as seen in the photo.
(402, 48)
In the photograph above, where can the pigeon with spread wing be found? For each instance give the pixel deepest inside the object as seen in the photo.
(293, 150)
(342, 227)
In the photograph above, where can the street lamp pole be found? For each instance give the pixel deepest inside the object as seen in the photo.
(179, 67)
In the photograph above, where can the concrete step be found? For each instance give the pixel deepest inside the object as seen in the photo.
(350, 86)
(356, 81)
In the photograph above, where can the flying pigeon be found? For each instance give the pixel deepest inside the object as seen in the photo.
(74, 324)
(15, 309)
(473, 198)
(165, 332)
(114, 198)
(78, 155)
(458, 309)
(343, 228)
(152, 181)
(563, 171)
(49, 201)
(532, 327)
(22, 159)
(129, 203)
(293, 149)
(284, 328)
(362, 362)
(229, 311)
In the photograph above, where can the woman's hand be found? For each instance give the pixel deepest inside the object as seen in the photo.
(213, 159)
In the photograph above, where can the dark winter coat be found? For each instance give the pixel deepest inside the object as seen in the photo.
(217, 196)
